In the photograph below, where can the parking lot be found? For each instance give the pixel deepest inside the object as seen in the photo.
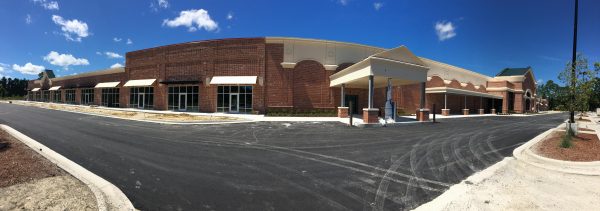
(278, 165)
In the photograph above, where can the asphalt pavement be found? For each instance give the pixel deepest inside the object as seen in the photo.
(278, 165)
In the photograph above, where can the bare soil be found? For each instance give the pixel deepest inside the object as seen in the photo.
(586, 147)
(133, 114)
(28, 181)
(19, 164)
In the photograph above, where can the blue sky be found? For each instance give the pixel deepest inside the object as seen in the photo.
(72, 36)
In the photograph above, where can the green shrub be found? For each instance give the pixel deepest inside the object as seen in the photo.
(567, 139)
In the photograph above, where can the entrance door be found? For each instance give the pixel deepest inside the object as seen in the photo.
(352, 99)
(234, 103)
(140, 100)
(182, 101)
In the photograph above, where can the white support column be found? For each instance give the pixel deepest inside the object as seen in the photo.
(465, 101)
(422, 103)
(343, 98)
(371, 91)
(445, 101)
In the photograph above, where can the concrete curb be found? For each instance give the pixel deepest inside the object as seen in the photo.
(108, 196)
(525, 154)
(461, 188)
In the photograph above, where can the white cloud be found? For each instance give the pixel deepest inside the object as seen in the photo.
(343, 2)
(116, 65)
(163, 4)
(193, 20)
(160, 4)
(76, 28)
(445, 30)
(116, 39)
(377, 5)
(112, 55)
(129, 42)
(64, 60)
(98, 53)
(49, 5)
(229, 15)
(28, 19)
(540, 81)
(29, 69)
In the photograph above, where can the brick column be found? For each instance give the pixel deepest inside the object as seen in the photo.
(445, 112)
(371, 115)
(423, 115)
(505, 102)
(343, 112)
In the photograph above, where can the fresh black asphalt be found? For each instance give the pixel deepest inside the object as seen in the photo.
(277, 165)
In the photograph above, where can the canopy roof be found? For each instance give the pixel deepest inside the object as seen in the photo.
(398, 64)
(54, 88)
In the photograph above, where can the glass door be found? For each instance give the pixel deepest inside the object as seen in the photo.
(140, 100)
(233, 103)
(182, 101)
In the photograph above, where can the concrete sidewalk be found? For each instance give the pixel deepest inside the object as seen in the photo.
(527, 182)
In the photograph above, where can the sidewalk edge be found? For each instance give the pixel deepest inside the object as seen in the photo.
(108, 196)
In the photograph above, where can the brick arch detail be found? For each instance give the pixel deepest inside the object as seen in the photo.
(311, 85)
(436, 81)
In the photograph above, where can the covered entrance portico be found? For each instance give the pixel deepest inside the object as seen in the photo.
(386, 69)
(463, 101)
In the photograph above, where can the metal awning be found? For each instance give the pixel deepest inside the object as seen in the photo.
(448, 90)
(54, 88)
(233, 80)
(35, 89)
(107, 84)
(142, 82)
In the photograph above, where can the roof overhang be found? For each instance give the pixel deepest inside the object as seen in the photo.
(232, 80)
(54, 88)
(141, 82)
(448, 90)
(398, 65)
(35, 89)
(107, 84)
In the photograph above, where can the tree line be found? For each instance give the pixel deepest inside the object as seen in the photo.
(586, 91)
(13, 87)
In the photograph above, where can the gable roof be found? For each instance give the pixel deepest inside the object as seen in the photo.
(514, 71)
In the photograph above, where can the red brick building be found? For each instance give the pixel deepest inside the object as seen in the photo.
(261, 75)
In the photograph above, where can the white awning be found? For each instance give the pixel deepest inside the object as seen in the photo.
(142, 82)
(107, 85)
(35, 89)
(233, 80)
(54, 88)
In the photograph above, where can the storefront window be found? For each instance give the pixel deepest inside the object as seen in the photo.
(110, 97)
(70, 96)
(234, 99)
(56, 96)
(141, 97)
(183, 98)
(87, 96)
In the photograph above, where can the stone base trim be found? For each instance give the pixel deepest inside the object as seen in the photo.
(493, 111)
(481, 111)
